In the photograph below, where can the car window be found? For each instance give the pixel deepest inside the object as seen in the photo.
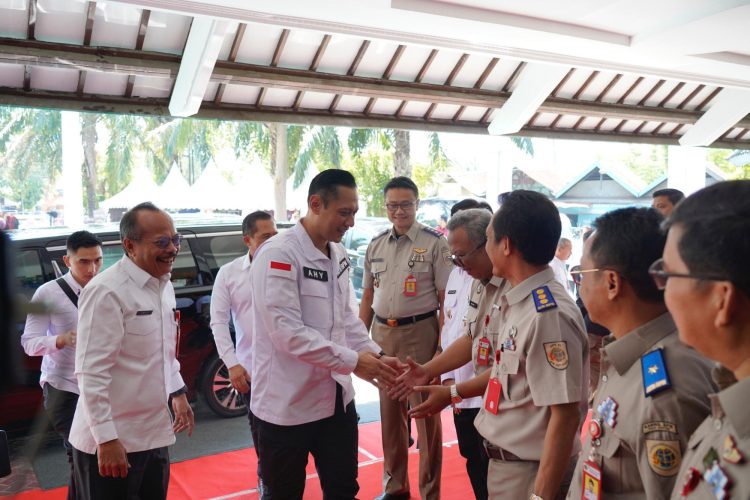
(29, 271)
(359, 238)
(110, 255)
(184, 269)
(218, 250)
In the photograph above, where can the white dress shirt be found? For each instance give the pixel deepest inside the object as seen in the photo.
(231, 297)
(125, 360)
(40, 335)
(456, 304)
(561, 274)
(306, 332)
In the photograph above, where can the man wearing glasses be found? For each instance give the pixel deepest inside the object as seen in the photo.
(653, 390)
(405, 275)
(127, 368)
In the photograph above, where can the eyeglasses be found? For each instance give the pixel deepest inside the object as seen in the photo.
(164, 241)
(404, 205)
(458, 260)
(577, 273)
(660, 275)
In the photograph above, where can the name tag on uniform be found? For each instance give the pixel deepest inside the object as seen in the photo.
(144, 313)
(315, 274)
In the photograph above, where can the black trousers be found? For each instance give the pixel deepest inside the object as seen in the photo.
(60, 407)
(332, 442)
(147, 479)
(471, 448)
(253, 427)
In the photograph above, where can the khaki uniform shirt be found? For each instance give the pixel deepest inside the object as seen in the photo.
(640, 455)
(483, 303)
(422, 253)
(547, 365)
(727, 431)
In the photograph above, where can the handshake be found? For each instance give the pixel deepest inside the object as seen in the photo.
(400, 380)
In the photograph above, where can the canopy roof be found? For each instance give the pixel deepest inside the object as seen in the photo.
(630, 71)
(141, 188)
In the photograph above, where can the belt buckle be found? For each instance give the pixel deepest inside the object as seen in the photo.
(393, 323)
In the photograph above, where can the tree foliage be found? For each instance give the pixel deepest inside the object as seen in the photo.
(720, 158)
(372, 169)
(647, 162)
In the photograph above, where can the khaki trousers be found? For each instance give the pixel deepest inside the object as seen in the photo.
(515, 480)
(418, 340)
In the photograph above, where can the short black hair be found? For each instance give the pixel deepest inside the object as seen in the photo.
(674, 195)
(129, 223)
(532, 223)
(326, 184)
(468, 203)
(716, 231)
(629, 240)
(82, 239)
(250, 221)
(403, 183)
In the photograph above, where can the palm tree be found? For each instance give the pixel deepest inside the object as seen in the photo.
(279, 145)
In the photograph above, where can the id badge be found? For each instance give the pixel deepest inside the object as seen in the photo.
(592, 481)
(410, 286)
(483, 352)
(492, 401)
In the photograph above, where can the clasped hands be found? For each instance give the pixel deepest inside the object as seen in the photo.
(399, 380)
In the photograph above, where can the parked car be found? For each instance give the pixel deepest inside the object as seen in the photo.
(356, 240)
(206, 247)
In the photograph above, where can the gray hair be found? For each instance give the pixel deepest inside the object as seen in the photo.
(564, 242)
(129, 223)
(474, 221)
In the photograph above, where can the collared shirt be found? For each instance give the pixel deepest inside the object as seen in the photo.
(547, 365)
(125, 360)
(306, 332)
(483, 320)
(456, 306)
(421, 253)
(561, 274)
(231, 300)
(726, 431)
(40, 334)
(639, 455)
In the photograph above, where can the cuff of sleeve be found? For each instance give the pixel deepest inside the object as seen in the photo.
(349, 360)
(446, 376)
(175, 384)
(230, 359)
(104, 432)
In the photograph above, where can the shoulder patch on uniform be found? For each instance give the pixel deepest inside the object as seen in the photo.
(649, 427)
(432, 231)
(655, 374)
(557, 354)
(664, 457)
(543, 299)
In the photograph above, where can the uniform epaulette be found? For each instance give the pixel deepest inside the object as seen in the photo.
(381, 234)
(543, 299)
(432, 231)
(655, 374)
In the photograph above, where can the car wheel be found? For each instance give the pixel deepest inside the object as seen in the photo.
(217, 391)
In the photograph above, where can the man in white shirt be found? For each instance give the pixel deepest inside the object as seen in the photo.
(559, 266)
(53, 335)
(231, 301)
(127, 368)
(307, 340)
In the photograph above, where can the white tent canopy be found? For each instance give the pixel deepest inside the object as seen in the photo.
(213, 192)
(141, 188)
(175, 193)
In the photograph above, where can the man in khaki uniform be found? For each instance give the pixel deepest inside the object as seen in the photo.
(537, 392)
(653, 390)
(405, 274)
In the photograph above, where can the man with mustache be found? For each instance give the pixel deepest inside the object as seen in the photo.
(127, 368)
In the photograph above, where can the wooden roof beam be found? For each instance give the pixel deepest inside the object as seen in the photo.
(313, 66)
(233, 51)
(139, 39)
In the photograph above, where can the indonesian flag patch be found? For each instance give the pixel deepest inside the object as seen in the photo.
(281, 266)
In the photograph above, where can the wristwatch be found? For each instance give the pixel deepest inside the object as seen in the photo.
(535, 497)
(455, 396)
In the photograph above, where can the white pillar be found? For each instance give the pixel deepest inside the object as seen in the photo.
(686, 168)
(72, 159)
(499, 178)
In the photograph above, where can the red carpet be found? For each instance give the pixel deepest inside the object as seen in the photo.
(231, 474)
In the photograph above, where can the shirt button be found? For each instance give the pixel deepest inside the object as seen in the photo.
(717, 424)
(604, 378)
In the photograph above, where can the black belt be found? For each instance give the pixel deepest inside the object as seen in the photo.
(394, 322)
(500, 454)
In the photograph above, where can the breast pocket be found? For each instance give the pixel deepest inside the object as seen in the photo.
(317, 307)
(419, 268)
(140, 336)
(515, 387)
